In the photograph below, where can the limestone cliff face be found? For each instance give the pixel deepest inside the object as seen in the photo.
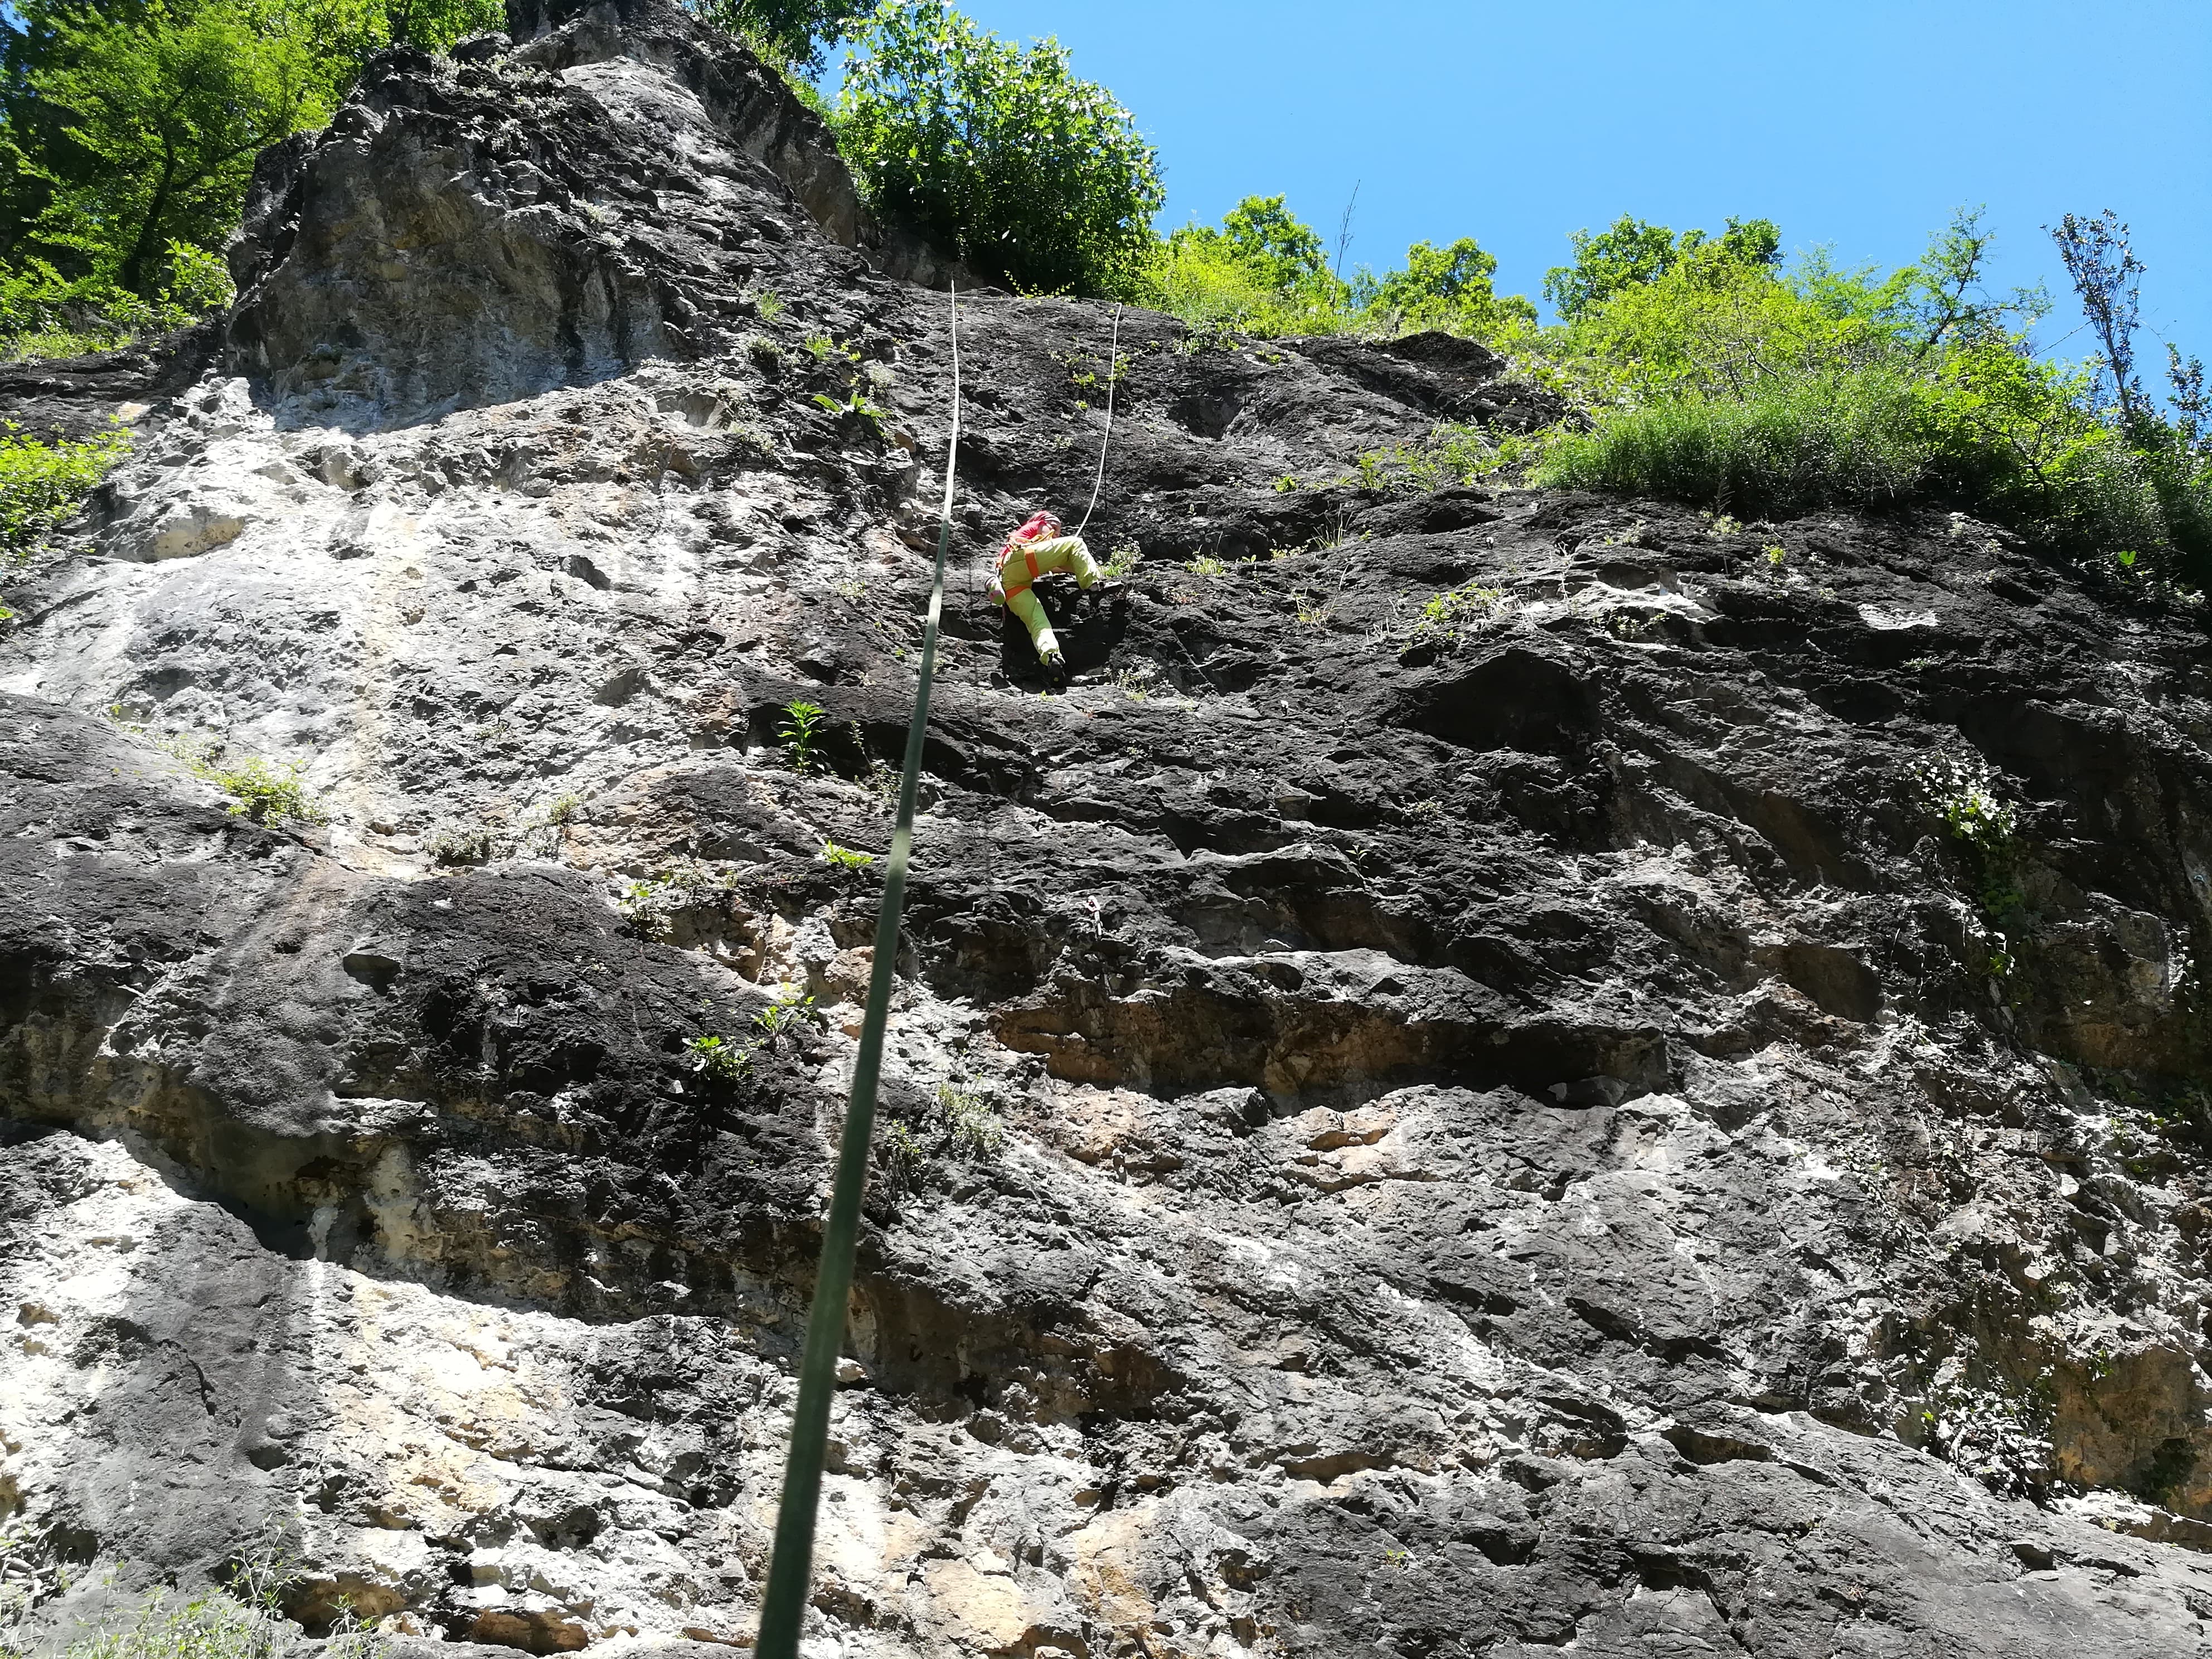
(1487, 1126)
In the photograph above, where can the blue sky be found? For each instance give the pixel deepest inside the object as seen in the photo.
(1860, 124)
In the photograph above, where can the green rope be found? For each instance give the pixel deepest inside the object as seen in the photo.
(783, 1609)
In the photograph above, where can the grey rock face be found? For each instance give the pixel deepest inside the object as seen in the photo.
(1491, 1124)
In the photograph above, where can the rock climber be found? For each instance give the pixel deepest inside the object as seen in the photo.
(1036, 550)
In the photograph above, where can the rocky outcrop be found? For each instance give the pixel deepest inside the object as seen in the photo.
(470, 232)
(1456, 1093)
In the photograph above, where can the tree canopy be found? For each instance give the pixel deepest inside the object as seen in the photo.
(130, 128)
(999, 153)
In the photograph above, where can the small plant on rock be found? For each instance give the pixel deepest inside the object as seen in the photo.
(971, 1127)
(746, 439)
(1206, 565)
(547, 827)
(462, 844)
(650, 906)
(1134, 683)
(719, 1059)
(844, 858)
(1450, 454)
(1120, 561)
(269, 794)
(725, 1059)
(767, 305)
(266, 794)
(1961, 790)
(901, 1156)
(1449, 616)
(32, 1573)
(854, 406)
(792, 1011)
(242, 1620)
(801, 731)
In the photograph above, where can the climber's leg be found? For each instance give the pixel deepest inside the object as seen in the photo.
(1025, 603)
(1080, 561)
(1065, 553)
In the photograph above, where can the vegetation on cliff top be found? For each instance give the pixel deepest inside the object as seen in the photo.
(1703, 367)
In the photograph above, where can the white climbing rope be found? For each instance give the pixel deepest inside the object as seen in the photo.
(1113, 376)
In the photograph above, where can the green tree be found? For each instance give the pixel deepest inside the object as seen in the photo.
(1264, 236)
(2106, 275)
(133, 124)
(1446, 287)
(165, 113)
(997, 155)
(796, 34)
(368, 26)
(1631, 252)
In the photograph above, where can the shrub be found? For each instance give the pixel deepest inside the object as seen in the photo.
(1208, 287)
(165, 108)
(1452, 453)
(997, 155)
(1844, 440)
(45, 315)
(972, 1127)
(1992, 431)
(258, 791)
(1712, 377)
(42, 486)
(1262, 272)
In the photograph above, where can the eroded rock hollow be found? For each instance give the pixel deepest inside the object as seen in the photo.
(1456, 1093)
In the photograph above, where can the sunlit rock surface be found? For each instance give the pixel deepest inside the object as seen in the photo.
(1484, 1128)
